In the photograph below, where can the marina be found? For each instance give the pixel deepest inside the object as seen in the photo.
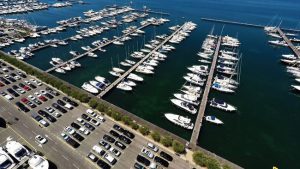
(196, 94)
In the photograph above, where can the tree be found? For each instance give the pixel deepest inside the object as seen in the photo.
(134, 125)
(199, 158)
(101, 107)
(178, 147)
(116, 115)
(144, 130)
(156, 136)
(93, 103)
(167, 141)
(126, 120)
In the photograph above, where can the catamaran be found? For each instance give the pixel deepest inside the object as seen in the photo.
(184, 105)
(181, 121)
(220, 104)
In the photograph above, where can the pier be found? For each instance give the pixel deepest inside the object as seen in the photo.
(244, 24)
(98, 47)
(200, 116)
(112, 85)
(288, 41)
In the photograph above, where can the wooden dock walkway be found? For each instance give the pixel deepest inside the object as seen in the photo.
(288, 41)
(200, 116)
(94, 49)
(245, 24)
(117, 81)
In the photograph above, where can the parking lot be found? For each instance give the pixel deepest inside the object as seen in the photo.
(76, 137)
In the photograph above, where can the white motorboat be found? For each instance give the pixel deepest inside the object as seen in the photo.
(184, 105)
(181, 121)
(213, 119)
(130, 61)
(97, 85)
(102, 80)
(278, 42)
(125, 64)
(228, 52)
(91, 54)
(116, 74)
(194, 80)
(198, 71)
(118, 70)
(226, 79)
(191, 93)
(57, 60)
(118, 42)
(220, 104)
(135, 77)
(219, 87)
(297, 80)
(191, 88)
(144, 70)
(289, 56)
(75, 63)
(66, 67)
(86, 86)
(187, 98)
(124, 87)
(129, 82)
(204, 61)
(59, 70)
(86, 48)
(297, 87)
(225, 83)
(228, 57)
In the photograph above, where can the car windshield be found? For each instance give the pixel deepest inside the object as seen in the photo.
(21, 153)
(5, 164)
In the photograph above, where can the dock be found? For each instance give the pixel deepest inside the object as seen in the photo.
(200, 116)
(288, 41)
(112, 85)
(244, 24)
(94, 49)
(146, 10)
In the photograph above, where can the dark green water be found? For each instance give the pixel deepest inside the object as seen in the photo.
(264, 131)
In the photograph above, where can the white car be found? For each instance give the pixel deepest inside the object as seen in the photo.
(17, 77)
(95, 122)
(70, 130)
(36, 82)
(84, 131)
(98, 150)
(152, 147)
(49, 109)
(64, 135)
(68, 106)
(110, 159)
(148, 153)
(8, 97)
(56, 114)
(91, 112)
(20, 91)
(31, 97)
(114, 151)
(80, 120)
(37, 94)
(27, 82)
(101, 118)
(40, 139)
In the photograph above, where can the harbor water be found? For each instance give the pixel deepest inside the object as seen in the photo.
(261, 134)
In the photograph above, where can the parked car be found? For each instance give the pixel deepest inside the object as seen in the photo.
(161, 161)
(143, 160)
(152, 147)
(103, 164)
(92, 157)
(166, 156)
(120, 145)
(22, 107)
(147, 153)
(124, 139)
(108, 138)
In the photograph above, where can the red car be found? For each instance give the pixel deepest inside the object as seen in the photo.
(43, 98)
(24, 100)
(1, 84)
(26, 88)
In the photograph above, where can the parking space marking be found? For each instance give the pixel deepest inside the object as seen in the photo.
(54, 149)
(65, 157)
(75, 166)
(25, 125)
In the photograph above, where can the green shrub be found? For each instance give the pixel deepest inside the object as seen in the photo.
(134, 125)
(101, 107)
(144, 130)
(167, 141)
(93, 103)
(226, 166)
(156, 136)
(205, 161)
(178, 147)
(116, 115)
(126, 120)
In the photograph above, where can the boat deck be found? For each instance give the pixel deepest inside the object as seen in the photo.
(117, 81)
(95, 49)
(288, 41)
(200, 116)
